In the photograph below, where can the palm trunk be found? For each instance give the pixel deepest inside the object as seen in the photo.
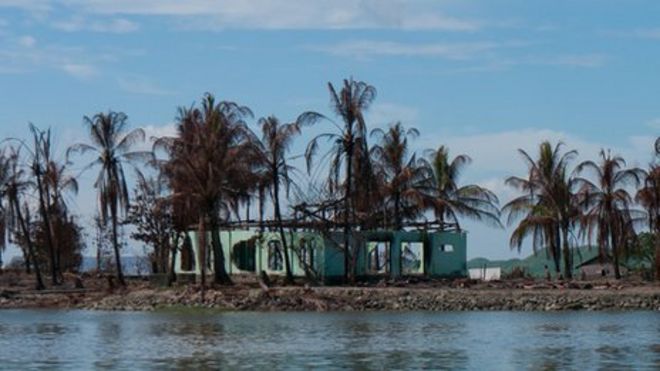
(115, 245)
(397, 211)
(201, 242)
(220, 275)
(657, 256)
(173, 249)
(28, 241)
(556, 249)
(261, 209)
(348, 277)
(568, 270)
(45, 217)
(278, 216)
(26, 258)
(615, 256)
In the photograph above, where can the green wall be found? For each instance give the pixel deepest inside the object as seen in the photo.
(328, 259)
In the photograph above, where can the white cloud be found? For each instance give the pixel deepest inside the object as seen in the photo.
(496, 154)
(654, 124)
(141, 85)
(79, 70)
(369, 49)
(30, 5)
(647, 33)
(274, 14)
(27, 41)
(159, 131)
(115, 25)
(575, 60)
(382, 114)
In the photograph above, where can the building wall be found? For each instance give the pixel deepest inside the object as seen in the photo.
(436, 259)
(447, 263)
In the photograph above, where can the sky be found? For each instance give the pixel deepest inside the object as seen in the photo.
(483, 77)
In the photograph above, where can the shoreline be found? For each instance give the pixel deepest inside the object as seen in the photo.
(482, 297)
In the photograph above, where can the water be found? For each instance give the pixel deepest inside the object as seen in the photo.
(472, 340)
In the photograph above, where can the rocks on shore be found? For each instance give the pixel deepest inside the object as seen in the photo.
(377, 299)
(465, 296)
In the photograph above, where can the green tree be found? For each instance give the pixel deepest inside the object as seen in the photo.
(607, 203)
(547, 210)
(449, 200)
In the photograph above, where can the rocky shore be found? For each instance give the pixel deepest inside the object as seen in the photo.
(526, 298)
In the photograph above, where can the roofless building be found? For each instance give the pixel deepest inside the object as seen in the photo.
(317, 250)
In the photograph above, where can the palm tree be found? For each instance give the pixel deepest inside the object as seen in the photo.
(547, 208)
(607, 203)
(648, 196)
(13, 187)
(40, 157)
(112, 144)
(58, 183)
(403, 178)
(349, 104)
(275, 143)
(208, 168)
(449, 201)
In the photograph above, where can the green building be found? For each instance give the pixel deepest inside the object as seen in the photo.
(321, 256)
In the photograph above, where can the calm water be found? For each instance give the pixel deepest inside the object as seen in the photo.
(504, 340)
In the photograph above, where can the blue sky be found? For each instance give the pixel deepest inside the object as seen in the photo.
(484, 77)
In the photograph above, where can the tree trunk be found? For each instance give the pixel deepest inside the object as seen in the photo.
(115, 245)
(615, 256)
(26, 259)
(657, 256)
(278, 216)
(568, 270)
(173, 249)
(201, 242)
(220, 275)
(28, 241)
(397, 211)
(347, 211)
(261, 208)
(556, 249)
(45, 217)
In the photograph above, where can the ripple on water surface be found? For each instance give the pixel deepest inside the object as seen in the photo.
(466, 340)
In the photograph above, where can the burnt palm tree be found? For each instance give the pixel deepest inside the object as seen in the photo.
(208, 168)
(648, 196)
(607, 203)
(13, 188)
(276, 141)
(51, 182)
(449, 200)
(403, 178)
(39, 160)
(349, 104)
(547, 209)
(112, 144)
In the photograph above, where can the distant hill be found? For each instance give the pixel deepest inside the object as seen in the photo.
(535, 263)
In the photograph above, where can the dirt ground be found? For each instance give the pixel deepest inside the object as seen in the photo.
(100, 292)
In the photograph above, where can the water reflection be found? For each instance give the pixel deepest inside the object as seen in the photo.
(91, 340)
